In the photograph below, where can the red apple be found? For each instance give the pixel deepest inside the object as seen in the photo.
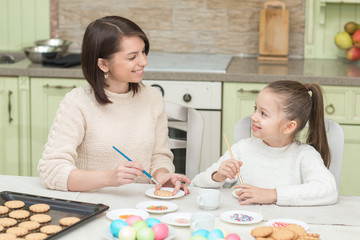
(356, 38)
(353, 54)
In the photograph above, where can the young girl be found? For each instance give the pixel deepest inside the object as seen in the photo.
(276, 168)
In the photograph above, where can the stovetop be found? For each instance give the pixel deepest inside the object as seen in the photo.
(188, 62)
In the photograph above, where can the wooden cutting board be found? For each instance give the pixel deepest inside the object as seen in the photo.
(274, 31)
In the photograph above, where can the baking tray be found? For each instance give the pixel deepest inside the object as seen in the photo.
(59, 208)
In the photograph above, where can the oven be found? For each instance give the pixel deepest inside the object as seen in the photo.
(204, 97)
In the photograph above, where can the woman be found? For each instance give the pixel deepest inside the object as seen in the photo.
(115, 110)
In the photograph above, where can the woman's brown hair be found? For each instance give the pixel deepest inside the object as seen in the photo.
(101, 40)
(303, 107)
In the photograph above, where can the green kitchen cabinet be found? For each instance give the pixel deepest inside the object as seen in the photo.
(341, 104)
(14, 126)
(47, 94)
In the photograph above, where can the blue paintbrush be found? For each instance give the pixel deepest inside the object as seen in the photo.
(146, 173)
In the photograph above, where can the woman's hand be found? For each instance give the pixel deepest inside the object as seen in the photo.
(227, 169)
(125, 173)
(250, 194)
(175, 180)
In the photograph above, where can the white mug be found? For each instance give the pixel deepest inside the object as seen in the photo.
(202, 220)
(208, 199)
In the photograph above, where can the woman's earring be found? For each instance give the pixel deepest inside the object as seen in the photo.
(106, 75)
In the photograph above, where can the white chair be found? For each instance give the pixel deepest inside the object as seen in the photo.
(194, 132)
(335, 140)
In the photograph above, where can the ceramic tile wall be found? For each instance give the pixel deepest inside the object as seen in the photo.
(196, 26)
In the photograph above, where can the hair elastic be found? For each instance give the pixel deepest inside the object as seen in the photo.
(307, 87)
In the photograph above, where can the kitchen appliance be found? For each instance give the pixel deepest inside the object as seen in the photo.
(274, 31)
(204, 97)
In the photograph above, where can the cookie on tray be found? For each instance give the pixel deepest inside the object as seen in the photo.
(31, 226)
(299, 230)
(18, 231)
(14, 204)
(7, 236)
(262, 231)
(41, 218)
(284, 234)
(67, 221)
(39, 208)
(1, 228)
(3, 211)
(19, 215)
(7, 222)
(50, 229)
(36, 236)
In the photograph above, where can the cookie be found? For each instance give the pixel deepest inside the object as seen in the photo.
(310, 236)
(163, 193)
(263, 231)
(284, 234)
(1, 228)
(7, 236)
(30, 225)
(3, 211)
(14, 204)
(67, 221)
(19, 214)
(36, 236)
(7, 222)
(50, 229)
(39, 208)
(299, 230)
(18, 231)
(41, 218)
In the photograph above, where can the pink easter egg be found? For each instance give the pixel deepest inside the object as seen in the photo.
(233, 236)
(130, 220)
(161, 231)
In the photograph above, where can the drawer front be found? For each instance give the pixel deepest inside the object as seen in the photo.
(336, 104)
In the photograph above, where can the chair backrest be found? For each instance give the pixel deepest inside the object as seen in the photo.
(194, 132)
(335, 140)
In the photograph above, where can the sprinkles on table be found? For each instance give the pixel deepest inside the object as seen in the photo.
(157, 207)
(241, 217)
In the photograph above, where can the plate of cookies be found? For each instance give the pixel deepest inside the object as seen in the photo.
(284, 222)
(241, 217)
(157, 206)
(124, 213)
(164, 193)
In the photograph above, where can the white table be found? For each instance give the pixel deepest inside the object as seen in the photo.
(339, 221)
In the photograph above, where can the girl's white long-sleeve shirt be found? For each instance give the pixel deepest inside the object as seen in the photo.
(84, 132)
(296, 171)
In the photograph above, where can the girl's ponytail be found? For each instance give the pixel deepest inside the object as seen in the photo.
(317, 133)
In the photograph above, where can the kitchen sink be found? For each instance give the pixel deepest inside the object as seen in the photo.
(11, 57)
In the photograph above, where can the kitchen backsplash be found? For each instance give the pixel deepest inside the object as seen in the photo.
(192, 26)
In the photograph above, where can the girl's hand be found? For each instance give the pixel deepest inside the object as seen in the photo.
(227, 169)
(175, 180)
(250, 194)
(125, 173)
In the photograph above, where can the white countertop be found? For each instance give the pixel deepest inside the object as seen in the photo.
(333, 222)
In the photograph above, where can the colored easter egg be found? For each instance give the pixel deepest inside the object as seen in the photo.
(161, 231)
(130, 220)
(127, 233)
(215, 234)
(198, 237)
(201, 232)
(145, 234)
(233, 236)
(223, 231)
(138, 225)
(116, 226)
(152, 221)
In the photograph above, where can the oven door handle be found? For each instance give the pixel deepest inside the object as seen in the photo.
(176, 143)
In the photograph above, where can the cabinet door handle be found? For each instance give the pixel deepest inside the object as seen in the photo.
(59, 86)
(330, 109)
(9, 106)
(241, 90)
